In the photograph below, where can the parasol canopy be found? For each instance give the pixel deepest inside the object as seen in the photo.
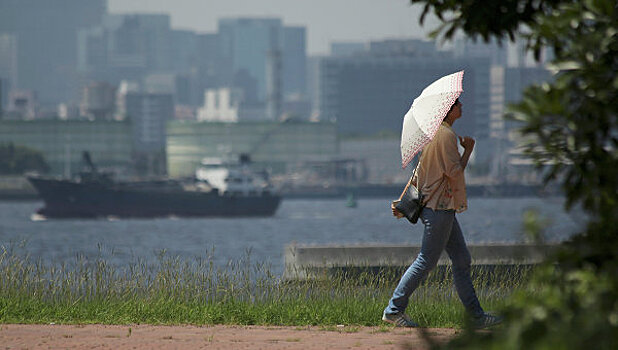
(427, 112)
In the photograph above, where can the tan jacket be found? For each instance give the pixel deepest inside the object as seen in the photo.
(440, 175)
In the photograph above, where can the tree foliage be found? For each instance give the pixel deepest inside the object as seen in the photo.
(485, 19)
(16, 160)
(572, 302)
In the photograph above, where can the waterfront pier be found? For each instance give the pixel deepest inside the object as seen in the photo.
(309, 261)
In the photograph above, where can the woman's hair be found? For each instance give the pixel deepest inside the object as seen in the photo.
(454, 104)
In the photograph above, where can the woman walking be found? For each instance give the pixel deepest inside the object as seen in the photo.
(440, 177)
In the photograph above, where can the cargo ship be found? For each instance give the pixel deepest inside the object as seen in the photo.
(218, 189)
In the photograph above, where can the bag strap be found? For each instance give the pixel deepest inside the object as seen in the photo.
(411, 177)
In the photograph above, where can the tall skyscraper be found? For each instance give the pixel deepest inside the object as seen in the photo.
(184, 51)
(8, 64)
(273, 85)
(1, 98)
(468, 48)
(250, 45)
(46, 39)
(126, 47)
(149, 114)
(213, 68)
(371, 92)
(294, 74)
(247, 42)
(347, 48)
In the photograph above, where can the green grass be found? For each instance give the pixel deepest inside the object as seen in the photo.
(197, 292)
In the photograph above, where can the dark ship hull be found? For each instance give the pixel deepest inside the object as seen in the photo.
(73, 199)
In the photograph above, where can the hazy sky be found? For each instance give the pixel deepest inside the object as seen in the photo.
(326, 20)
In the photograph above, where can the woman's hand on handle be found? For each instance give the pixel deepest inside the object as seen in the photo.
(396, 212)
(467, 142)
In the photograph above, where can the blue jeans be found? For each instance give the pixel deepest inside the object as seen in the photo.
(442, 232)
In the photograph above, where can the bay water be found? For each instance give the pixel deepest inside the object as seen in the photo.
(263, 240)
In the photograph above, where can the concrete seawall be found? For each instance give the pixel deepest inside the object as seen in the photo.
(306, 261)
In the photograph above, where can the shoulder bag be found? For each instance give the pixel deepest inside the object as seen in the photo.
(412, 201)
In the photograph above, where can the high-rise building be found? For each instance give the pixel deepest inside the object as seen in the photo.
(8, 64)
(372, 92)
(250, 44)
(149, 113)
(313, 85)
(184, 45)
(507, 87)
(214, 65)
(247, 42)
(402, 48)
(468, 48)
(274, 93)
(46, 40)
(143, 48)
(126, 47)
(294, 61)
(339, 49)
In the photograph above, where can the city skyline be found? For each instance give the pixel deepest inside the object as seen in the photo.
(370, 21)
(137, 63)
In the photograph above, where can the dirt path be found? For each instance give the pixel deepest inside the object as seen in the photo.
(138, 337)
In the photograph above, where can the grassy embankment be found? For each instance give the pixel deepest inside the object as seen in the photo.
(197, 292)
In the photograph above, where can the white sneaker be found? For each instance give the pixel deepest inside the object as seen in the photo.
(485, 320)
(399, 319)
